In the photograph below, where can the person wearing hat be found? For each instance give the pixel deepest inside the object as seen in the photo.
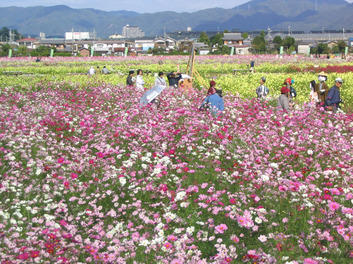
(262, 90)
(283, 99)
(174, 78)
(292, 92)
(321, 88)
(334, 97)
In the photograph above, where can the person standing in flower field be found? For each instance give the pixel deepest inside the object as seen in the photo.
(262, 91)
(174, 79)
(321, 88)
(130, 79)
(283, 99)
(160, 80)
(292, 92)
(139, 80)
(334, 97)
(313, 96)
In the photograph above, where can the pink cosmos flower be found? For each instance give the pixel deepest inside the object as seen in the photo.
(167, 245)
(67, 185)
(100, 155)
(220, 229)
(333, 206)
(310, 261)
(61, 160)
(177, 261)
(235, 239)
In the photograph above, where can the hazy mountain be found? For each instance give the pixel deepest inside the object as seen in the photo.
(254, 15)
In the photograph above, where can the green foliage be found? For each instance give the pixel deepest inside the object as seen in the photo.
(42, 51)
(5, 34)
(217, 39)
(259, 43)
(22, 51)
(289, 43)
(204, 38)
(5, 50)
(340, 47)
(322, 49)
(245, 35)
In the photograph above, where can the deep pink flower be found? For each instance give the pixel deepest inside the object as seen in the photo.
(333, 206)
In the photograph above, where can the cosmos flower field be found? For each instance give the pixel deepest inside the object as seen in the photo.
(89, 176)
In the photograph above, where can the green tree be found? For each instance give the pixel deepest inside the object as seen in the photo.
(204, 38)
(22, 51)
(5, 50)
(322, 49)
(245, 35)
(259, 43)
(217, 39)
(289, 43)
(341, 46)
(41, 51)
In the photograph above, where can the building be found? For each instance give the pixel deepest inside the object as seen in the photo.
(29, 43)
(241, 49)
(166, 43)
(132, 32)
(84, 52)
(76, 36)
(144, 45)
(231, 39)
(116, 36)
(58, 43)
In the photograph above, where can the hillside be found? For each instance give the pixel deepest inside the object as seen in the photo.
(254, 15)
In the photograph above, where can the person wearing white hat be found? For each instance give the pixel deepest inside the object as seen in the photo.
(321, 88)
(334, 97)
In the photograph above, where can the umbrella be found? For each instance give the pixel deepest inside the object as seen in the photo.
(151, 94)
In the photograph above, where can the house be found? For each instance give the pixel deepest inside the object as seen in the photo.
(201, 48)
(58, 43)
(230, 39)
(304, 47)
(28, 42)
(185, 45)
(166, 43)
(84, 52)
(241, 49)
(144, 45)
(330, 43)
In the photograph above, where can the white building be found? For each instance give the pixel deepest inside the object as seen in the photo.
(144, 44)
(77, 35)
(132, 32)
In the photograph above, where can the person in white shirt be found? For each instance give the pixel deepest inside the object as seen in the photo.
(262, 90)
(139, 81)
(160, 80)
(91, 71)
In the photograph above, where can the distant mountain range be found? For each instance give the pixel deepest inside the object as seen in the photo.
(304, 15)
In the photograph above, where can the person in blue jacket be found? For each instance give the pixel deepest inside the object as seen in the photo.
(214, 103)
(334, 97)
